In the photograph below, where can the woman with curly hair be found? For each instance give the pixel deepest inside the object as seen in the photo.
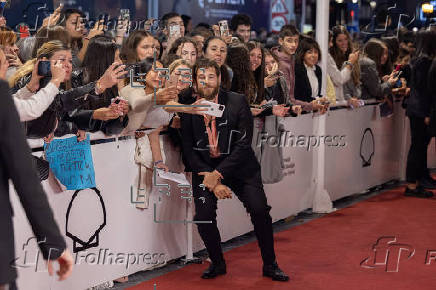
(243, 82)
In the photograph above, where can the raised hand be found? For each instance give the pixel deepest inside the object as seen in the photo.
(111, 76)
(52, 19)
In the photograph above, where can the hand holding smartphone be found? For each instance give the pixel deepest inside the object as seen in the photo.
(224, 28)
(214, 109)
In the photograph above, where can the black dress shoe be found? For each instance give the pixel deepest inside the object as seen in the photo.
(427, 183)
(214, 270)
(273, 271)
(418, 192)
(430, 179)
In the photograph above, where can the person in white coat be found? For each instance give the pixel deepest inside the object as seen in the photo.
(341, 60)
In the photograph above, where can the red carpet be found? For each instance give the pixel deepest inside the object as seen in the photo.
(326, 253)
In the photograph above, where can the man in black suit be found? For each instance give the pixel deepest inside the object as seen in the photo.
(16, 164)
(219, 152)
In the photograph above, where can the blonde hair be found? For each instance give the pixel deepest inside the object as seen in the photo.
(46, 50)
(7, 36)
(177, 63)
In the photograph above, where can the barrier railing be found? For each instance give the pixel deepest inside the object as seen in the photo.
(368, 150)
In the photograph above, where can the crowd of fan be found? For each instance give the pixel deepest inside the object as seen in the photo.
(67, 80)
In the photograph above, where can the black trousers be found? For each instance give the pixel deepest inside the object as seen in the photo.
(417, 157)
(252, 195)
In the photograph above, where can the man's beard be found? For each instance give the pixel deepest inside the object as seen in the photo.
(208, 97)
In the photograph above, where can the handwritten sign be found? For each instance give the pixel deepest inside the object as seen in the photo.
(71, 162)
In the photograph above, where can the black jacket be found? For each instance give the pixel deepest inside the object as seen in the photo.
(421, 98)
(303, 89)
(16, 165)
(235, 131)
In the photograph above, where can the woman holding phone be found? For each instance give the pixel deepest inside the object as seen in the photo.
(145, 116)
(342, 63)
(70, 96)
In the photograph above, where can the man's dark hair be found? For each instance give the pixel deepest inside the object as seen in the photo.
(205, 63)
(288, 30)
(166, 17)
(240, 19)
(186, 19)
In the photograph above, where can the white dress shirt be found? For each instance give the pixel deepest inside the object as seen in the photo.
(313, 80)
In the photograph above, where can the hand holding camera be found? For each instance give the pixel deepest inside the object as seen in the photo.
(111, 77)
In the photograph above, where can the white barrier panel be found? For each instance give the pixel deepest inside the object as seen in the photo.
(131, 233)
(127, 230)
(373, 152)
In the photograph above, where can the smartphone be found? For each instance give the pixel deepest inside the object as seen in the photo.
(125, 14)
(399, 83)
(269, 104)
(105, 18)
(175, 31)
(44, 68)
(127, 70)
(224, 27)
(398, 74)
(215, 109)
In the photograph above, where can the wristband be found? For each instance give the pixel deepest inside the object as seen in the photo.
(349, 63)
(157, 162)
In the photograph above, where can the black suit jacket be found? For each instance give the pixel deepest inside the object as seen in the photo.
(16, 165)
(235, 131)
(303, 89)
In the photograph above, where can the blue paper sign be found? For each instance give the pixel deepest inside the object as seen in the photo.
(71, 162)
